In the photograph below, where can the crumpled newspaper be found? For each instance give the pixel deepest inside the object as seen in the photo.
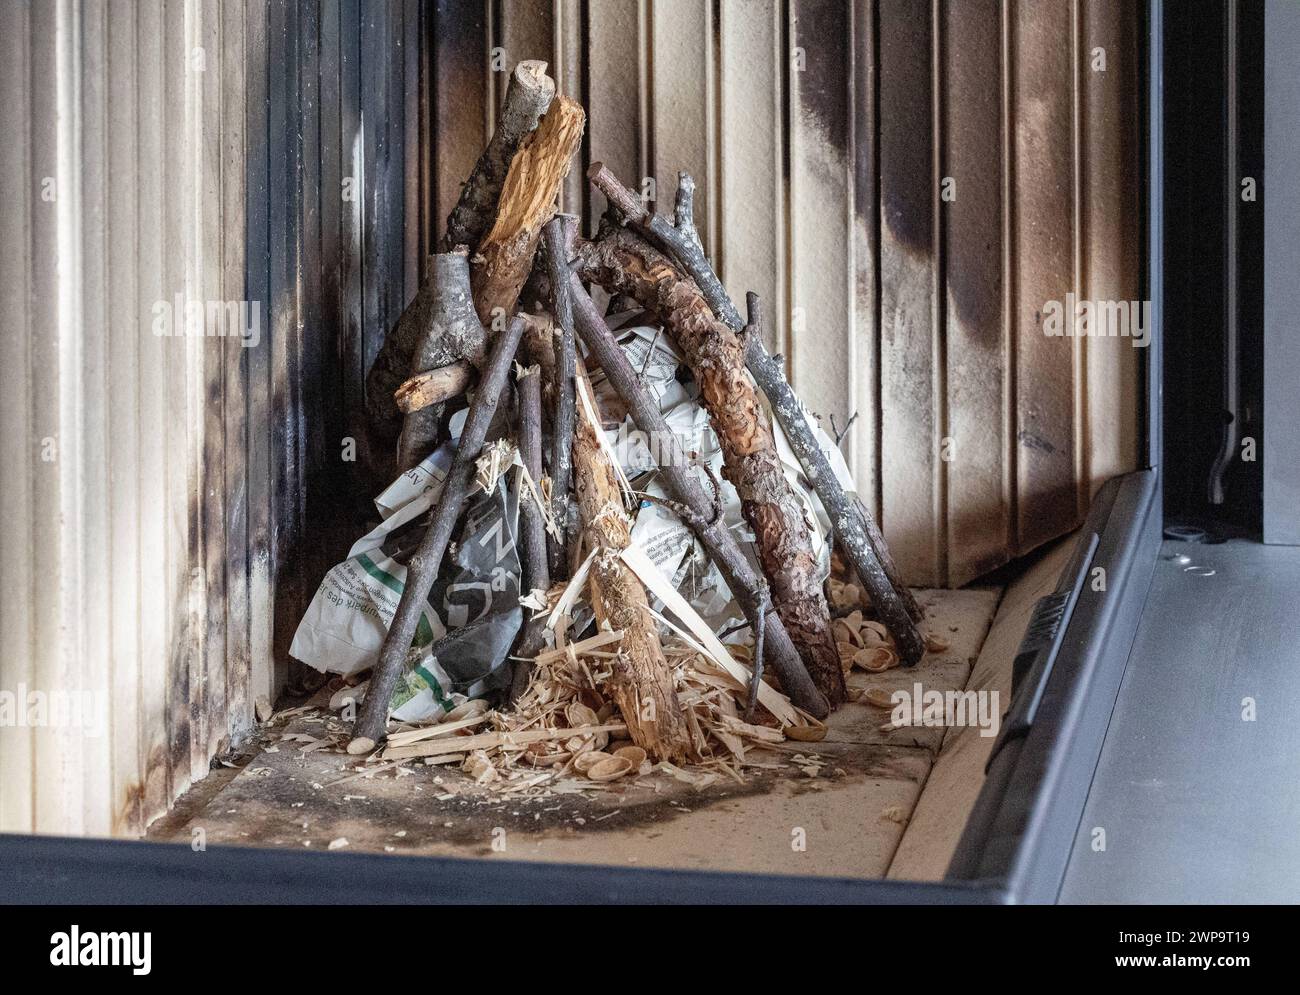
(463, 640)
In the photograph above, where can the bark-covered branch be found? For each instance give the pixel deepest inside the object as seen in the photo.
(680, 240)
(559, 236)
(852, 522)
(453, 333)
(881, 549)
(532, 527)
(422, 569)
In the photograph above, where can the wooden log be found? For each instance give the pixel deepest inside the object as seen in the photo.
(771, 640)
(505, 255)
(528, 94)
(453, 333)
(434, 386)
(845, 514)
(621, 262)
(532, 527)
(642, 684)
(422, 569)
(559, 236)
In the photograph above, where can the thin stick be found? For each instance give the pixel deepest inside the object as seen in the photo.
(372, 724)
(532, 528)
(840, 433)
(701, 513)
(433, 386)
(559, 234)
(650, 354)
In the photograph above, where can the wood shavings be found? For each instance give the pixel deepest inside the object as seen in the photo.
(441, 729)
(878, 698)
(609, 769)
(493, 740)
(814, 732)
(864, 643)
(535, 600)
(760, 734)
(365, 772)
(496, 458)
(936, 644)
(604, 638)
(572, 591)
(844, 596)
(479, 767)
(875, 659)
(654, 580)
(894, 813)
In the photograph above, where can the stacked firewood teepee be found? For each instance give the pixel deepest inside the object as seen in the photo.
(507, 300)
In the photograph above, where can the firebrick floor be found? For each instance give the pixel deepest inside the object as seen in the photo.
(838, 807)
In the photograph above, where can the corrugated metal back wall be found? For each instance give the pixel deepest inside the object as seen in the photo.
(301, 156)
(124, 142)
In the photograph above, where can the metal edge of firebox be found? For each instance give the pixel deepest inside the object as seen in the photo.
(64, 870)
(1023, 826)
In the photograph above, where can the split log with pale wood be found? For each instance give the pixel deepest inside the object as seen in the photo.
(528, 95)
(505, 255)
(643, 681)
